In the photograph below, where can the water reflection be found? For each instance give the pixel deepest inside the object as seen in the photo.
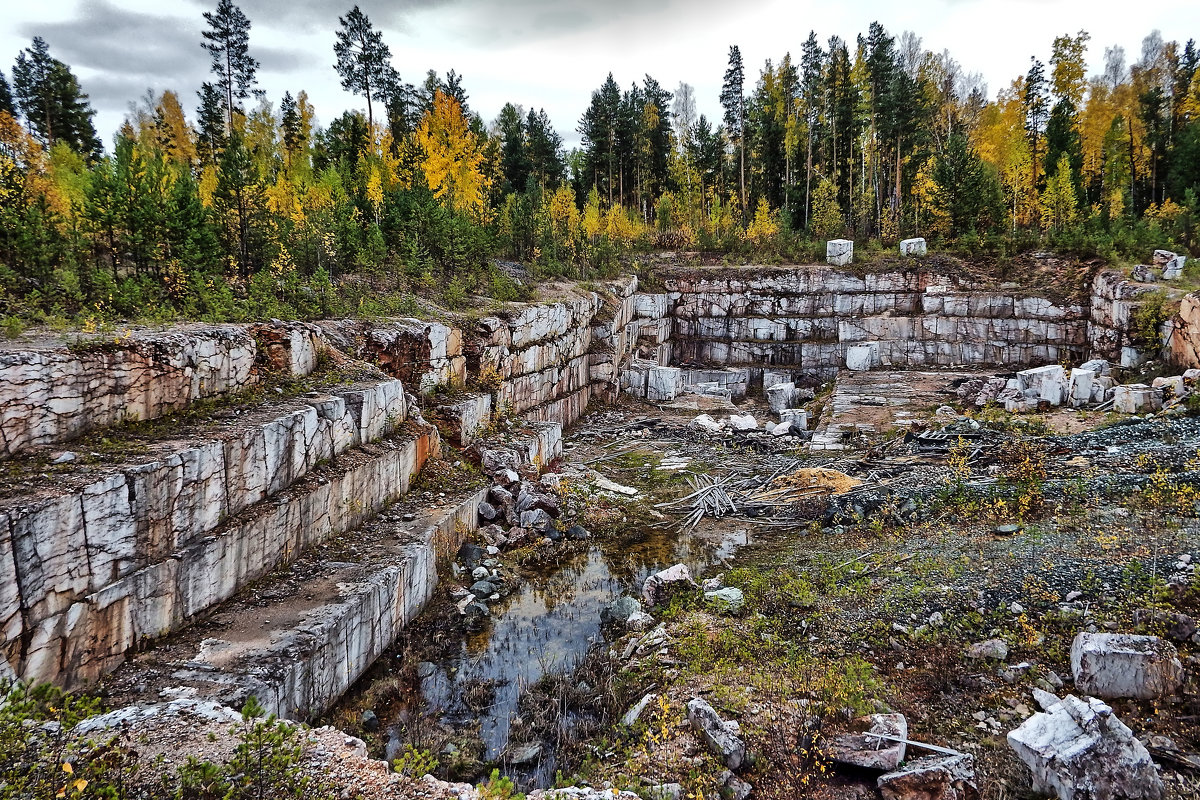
(547, 625)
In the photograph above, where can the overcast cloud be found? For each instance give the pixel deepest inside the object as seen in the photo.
(548, 53)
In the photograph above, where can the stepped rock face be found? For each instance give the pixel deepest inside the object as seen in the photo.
(52, 395)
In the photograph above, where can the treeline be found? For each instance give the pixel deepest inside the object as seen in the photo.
(251, 209)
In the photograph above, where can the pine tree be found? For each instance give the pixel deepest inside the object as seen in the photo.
(54, 106)
(599, 131)
(544, 145)
(363, 59)
(812, 69)
(968, 190)
(514, 156)
(228, 42)
(733, 100)
(295, 138)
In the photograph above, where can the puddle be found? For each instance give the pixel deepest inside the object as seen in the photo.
(546, 627)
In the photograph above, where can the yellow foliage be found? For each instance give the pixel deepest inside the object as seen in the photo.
(375, 192)
(593, 223)
(764, 228)
(208, 185)
(173, 133)
(452, 156)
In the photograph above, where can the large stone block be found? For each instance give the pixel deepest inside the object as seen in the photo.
(1114, 665)
(839, 252)
(1079, 389)
(1049, 383)
(1136, 398)
(781, 396)
(1079, 750)
(912, 247)
(862, 357)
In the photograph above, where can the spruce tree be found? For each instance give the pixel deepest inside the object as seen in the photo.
(544, 145)
(210, 123)
(228, 42)
(1035, 102)
(733, 100)
(292, 128)
(6, 98)
(363, 59)
(514, 158)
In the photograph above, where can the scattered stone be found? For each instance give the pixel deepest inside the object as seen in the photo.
(1122, 665)
(734, 787)
(659, 585)
(707, 423)
(1079, 750)
(639, 621)
(483, 589)
(991, 648)
(666, 791)
(723, 742)
(635, 711)
(870, 752)
(487, 512)
(64, 457)
(578, 533)
(370, 722)
(1178, 627)
(1008, 529)
(937, 777)
(470, 555)
(729, 599)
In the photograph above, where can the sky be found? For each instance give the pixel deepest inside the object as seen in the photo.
(549, 54)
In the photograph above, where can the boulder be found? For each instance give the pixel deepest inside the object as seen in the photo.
(659, 585)
(1098, 366)
(706, 423)
(1142, 273)
(639, 621)
(939, 777)
(1173, 269)
(487, 512)
(1123, 665)
(1163, 257)
(535, 518)
(870, 752)
(1079, 750)
(727, 599)
(912, 247)
(716, 733)
(839, 252)
(619, 610)
(1170, 387)
(743, 422)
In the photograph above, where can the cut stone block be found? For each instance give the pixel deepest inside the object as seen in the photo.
(797, 416)
(1049, 383)
(663, 384)
(1122, 665)
(781, 396)
(1173, 269)
(939, 777)
(1173, 386)
(862, 357)
(1136, 398)
(1079, 389)
(912, 247)
(839, 252)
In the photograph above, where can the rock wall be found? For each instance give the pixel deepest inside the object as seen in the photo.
(1114, 299)
(91, 572)
(53, 394)
(808, 318)
(1184, 344)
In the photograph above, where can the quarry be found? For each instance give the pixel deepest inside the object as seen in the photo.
(903, 531)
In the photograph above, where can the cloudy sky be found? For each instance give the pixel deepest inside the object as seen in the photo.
(549, 53)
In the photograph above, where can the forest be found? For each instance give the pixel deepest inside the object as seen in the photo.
(224, 204)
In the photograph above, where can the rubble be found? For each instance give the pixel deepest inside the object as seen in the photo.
(1079, 750)
(1123, 665)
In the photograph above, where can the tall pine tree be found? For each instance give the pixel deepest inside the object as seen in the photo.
(228, 42)
(733, 100)
(364, 61)
(54, 105)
